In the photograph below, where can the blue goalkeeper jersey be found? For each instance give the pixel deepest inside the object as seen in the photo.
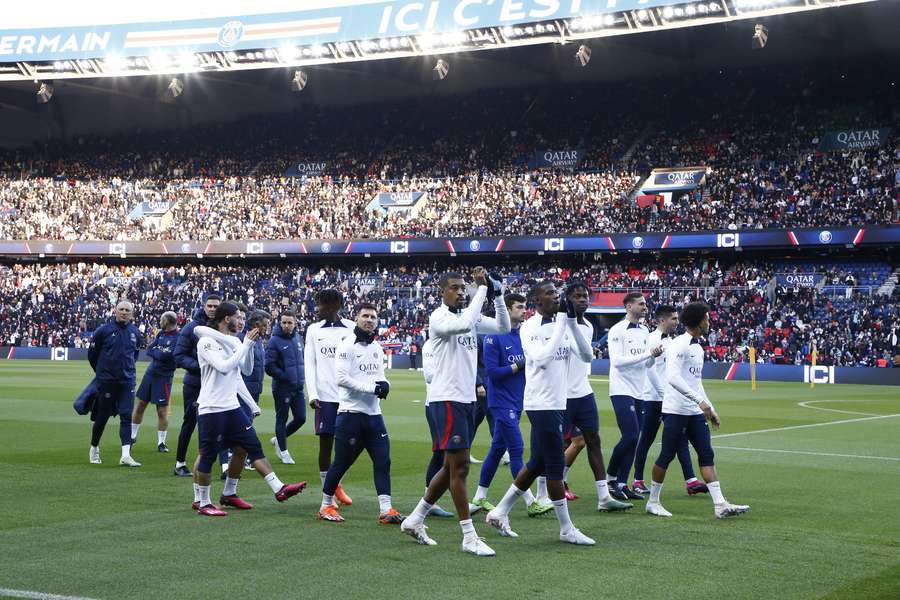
(505, 389)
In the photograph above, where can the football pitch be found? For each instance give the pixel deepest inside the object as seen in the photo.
(820, 468)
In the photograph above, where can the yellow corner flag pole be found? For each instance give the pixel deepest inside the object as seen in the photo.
(753, 368)
(812, 380)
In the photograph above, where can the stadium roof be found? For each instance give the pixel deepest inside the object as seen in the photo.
(110, 105)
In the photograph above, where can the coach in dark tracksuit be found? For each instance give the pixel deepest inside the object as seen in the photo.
(186, 358)
(284, 364)
(113, 352)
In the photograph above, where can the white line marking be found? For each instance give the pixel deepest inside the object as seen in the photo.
(728, 435)
(846, 412)
(891, 458)
(37, 595)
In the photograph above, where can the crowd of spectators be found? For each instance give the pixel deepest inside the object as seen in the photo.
(469, 154)
(61, 304)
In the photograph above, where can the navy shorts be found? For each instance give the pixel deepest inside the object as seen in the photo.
(695, 428)
(581, 413)
(452, 425)
(155, 389)
(548, 457)
(228, 429)
(326, 415)
(359, 429)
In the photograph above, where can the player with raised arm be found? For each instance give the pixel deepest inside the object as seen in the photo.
(221, 421)
(319, 367)
(451, 397)
(666, 324)
(359, 426)
(686, 408)
(629, 359)
(546, 340)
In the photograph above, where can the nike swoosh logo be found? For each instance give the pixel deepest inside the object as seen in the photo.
(509, 347)
(383, 435)
(248, 428)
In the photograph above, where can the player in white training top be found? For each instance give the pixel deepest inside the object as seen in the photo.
(322, 339)
(666, 324)
(629, 359)
(686, 408)
(547, 339)
(221, 422)
(453, 332)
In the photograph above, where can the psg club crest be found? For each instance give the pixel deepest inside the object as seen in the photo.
(474, 245)
(637, 242)
(825, 237)
(230, 34)
(326, 247)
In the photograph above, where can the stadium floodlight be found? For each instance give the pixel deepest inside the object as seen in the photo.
(679, 12)
(115, 62)
(690, 10)
(159, 60)
(288, 53)
(714, 7)
(760, 37)
(609, 20)
(668, 12)
(299, 81)
(440, 70)
(44, 93)
(186, 59)
(384, 44)
(583, 55)
(428, 40)
(643, 15)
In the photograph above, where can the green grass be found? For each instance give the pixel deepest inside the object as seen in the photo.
(821, 526)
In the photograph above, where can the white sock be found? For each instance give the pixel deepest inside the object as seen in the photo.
(180, 463)
(562, 513)
(691, 480)
(126, 450)
(542, 487)
(528, 497)
(421, 511)
(481, 493)
(655, 491)
(467, 527)
(275, 484)
(322, 475)
(602, 490)
(196, 492)
(204, 495)
(566, 474)
(225, 468)
(95, 448)
(327, 500)
(134, 429)
(230, 487)
(161, 436)
(384, 502)
(715, 492)
(509, 499)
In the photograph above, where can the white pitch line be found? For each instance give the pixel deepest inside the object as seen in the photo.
(891, 458)
(37, 595)
(846, 412)
(728, 435)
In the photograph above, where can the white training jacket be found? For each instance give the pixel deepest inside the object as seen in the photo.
(222, 359)
(454, 346)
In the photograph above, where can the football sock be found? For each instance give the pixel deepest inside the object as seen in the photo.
(715, 491)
